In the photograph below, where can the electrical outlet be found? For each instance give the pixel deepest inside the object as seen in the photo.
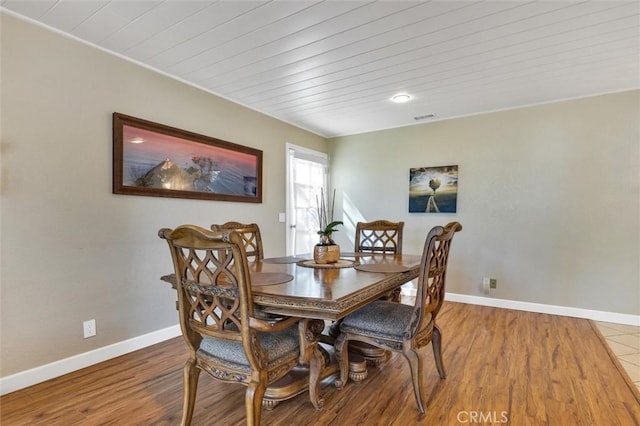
(489, 283)
(89, 328)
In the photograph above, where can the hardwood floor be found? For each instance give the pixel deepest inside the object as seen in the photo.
(503, 366)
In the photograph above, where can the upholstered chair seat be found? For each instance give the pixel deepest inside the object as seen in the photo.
(382, 319)
(280, 348)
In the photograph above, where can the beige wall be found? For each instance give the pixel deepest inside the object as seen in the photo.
(549, 197)
(71, 250)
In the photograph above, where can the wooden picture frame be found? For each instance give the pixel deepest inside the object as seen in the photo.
(151, 159)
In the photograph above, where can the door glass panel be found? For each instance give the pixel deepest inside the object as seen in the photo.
(307, 175)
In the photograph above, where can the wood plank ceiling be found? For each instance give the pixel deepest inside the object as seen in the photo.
(331, 67)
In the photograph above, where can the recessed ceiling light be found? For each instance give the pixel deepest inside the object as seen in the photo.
(400, 98)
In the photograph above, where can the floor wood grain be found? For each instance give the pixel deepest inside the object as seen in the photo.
(504, 367)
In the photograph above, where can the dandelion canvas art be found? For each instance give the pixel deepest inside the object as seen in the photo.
(433, 189)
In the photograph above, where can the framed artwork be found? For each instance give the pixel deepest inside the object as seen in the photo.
(155, 160)
(433, 189)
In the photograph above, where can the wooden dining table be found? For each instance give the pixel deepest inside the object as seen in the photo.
(297, 286)
(330, 292)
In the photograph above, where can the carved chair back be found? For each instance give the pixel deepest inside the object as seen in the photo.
(379, 236)
(251, 238)
(431, 280)
(214, 291)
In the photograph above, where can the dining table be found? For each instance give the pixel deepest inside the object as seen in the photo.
(323, 294)
(329, 291)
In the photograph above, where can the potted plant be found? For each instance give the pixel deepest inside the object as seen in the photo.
(326, 251)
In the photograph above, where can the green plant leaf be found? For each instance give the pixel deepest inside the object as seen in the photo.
(330, 228)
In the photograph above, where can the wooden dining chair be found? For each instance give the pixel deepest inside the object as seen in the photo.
(251, 237)
(404, 328)
(379, 236)
(216, 312)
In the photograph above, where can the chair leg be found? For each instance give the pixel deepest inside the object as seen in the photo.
(316, 365)
(436, 343)
(253, 401)
(342, 355)
(190, 375)
(415, 364)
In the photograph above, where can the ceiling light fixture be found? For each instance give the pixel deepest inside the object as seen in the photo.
(400, 98)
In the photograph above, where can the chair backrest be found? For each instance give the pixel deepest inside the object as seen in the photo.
(379, 236)
(433, 272)
(251, 238)
(213, 284)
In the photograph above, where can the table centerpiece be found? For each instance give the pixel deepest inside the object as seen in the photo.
(326, 251)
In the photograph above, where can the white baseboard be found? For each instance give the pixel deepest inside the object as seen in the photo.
(540, 308)
(567, 311)
(58, 368)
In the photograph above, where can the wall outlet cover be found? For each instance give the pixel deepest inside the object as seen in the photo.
(89, 328)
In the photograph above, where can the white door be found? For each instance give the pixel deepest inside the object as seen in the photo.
(306, 175)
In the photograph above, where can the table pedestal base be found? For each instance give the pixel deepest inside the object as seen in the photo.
(297, 381)
(357, 367)
(373, 356)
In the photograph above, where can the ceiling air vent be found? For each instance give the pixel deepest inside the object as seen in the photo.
(424, 117)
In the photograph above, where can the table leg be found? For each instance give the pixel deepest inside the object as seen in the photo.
(310, 330)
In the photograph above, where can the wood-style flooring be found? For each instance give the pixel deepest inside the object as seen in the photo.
(504, 367)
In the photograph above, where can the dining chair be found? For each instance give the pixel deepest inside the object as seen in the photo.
(404, 328)
(379, 236)
(217, 320)
(251, 237)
